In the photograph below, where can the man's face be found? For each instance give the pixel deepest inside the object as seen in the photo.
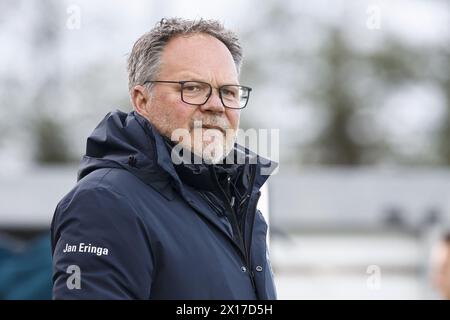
(198, 57)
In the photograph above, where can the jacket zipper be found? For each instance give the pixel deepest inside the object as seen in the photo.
(237, 233)
(241, 242)
(252, 223)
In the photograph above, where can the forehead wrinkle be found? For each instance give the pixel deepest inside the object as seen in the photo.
(193, 76)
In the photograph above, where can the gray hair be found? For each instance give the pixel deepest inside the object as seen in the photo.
(144, 59)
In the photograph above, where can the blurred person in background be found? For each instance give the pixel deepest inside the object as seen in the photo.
(139, 225)
(441, 266)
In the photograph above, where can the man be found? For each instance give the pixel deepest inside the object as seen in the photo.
(148, 222)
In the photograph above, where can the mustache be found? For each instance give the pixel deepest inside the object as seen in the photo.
(210, 123)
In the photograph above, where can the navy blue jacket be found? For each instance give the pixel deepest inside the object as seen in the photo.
(137, 226)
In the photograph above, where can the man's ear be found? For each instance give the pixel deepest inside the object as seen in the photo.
(139, 98)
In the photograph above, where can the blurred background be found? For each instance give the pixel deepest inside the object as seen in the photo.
(359, 91)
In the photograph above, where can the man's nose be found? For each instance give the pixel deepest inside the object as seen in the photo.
(214, 104)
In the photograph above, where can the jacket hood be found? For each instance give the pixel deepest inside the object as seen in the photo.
(129, 141)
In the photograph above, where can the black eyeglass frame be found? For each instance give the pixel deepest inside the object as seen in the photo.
(182, 83)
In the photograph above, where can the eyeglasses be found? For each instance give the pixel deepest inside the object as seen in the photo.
(198, 92)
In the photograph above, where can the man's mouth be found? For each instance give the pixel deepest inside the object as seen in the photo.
(213, 127)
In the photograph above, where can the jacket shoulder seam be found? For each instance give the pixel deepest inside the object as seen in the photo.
(101, 179)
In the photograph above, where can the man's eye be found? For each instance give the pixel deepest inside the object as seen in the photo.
(228, 93)
(191, 88)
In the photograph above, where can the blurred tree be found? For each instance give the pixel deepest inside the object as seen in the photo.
(336, 143)
(442, 77)
(43, 115)
(345, 84)
(9, 83)
(50, 146)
